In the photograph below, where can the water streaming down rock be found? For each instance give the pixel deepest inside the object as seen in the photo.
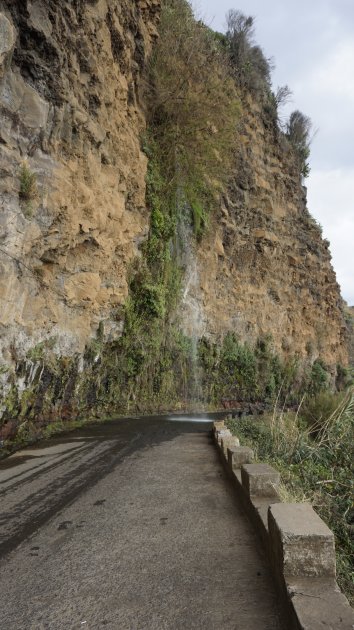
(192, 316)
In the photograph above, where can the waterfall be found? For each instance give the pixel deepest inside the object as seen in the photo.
(192, 316)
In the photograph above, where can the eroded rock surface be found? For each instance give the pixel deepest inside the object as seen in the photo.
(266, 268)
(71, 118)
(69, 110)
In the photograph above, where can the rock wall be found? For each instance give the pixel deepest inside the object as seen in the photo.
(266, 269)
(70, 111)
(73, 216)
(349, 312)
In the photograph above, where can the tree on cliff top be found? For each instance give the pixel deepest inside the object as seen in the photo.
(252, 72)
(298, 131)
(251, 68)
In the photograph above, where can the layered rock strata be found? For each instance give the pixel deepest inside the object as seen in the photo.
(73, 216)
(70, 115)
(266, 270)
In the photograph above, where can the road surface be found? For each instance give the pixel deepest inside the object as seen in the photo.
(129, 525)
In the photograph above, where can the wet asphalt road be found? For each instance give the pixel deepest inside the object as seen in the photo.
(130, 525)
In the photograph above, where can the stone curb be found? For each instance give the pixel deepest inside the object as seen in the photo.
(299, 545)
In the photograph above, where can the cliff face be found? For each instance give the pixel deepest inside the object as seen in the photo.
(71, 123)
(266, 268)
(350, 324)
(70, 75)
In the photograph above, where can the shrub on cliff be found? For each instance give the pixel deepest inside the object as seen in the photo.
(251, 68)
(298, 131)
(28, 189)
(252, 73)
(318, 379)
(238, 368)
(28, 184)
(192, 108)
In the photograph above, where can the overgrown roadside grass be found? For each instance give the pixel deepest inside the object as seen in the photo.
(316, 462)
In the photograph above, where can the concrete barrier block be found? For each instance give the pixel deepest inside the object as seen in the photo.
(222, 433)
(319, 605)
(229, 441)
(239, 455)
(219, 425)
(260, 480)
(301, 543)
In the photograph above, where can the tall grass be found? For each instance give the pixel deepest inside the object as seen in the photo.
(314, 451)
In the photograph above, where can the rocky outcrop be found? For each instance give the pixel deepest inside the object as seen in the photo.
(70, 115)
(349, 314)
(266, 269)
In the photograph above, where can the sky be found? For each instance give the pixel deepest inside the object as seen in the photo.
(312, 45)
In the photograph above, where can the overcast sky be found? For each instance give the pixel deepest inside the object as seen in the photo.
(312, 44)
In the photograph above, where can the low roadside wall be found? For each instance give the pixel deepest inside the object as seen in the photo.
(299, 545)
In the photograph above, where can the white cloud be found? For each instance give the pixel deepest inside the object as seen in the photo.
(334, 75)
(326, 92)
